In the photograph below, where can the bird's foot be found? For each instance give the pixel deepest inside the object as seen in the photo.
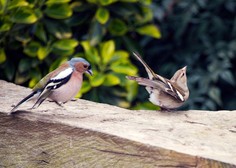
(162, 109)
(59, 104)
(74, 99)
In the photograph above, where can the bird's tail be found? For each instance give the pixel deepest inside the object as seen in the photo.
(27, 98)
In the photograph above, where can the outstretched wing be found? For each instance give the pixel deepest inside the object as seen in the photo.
(53, 84)
(151, 74)
(166, 87)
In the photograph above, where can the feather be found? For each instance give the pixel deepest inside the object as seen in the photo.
(27, 98)
(163, 92)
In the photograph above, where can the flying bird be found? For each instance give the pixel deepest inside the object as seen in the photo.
(166, 93)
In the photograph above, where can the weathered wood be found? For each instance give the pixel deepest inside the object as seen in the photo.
(88, 134)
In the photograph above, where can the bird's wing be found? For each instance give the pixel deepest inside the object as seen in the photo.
(175, 91)
(44, 81)
(166, 87)
(54, 83)
(151, 74)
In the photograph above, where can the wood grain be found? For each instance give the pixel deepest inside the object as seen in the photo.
(88, 134)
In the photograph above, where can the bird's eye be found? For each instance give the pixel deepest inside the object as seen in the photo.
(85, 66)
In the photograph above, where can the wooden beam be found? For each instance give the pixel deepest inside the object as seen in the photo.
(88, 134)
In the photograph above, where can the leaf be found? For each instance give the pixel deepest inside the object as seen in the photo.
(120, 56)
(146, 106)
(130, 44)
(32, 49)
(33, 82)
(24, 15)
(5, 25)
(84, 89)
(145, 2)
(63, 52)
(125, 10)
(57, 1)
(43, 52)
(228, 77)
(210, 105)
(20, 79)
(93, 1)
(77, 20)
(23, 38)
(124, 68)
(2, 56)
(117, 27)
(111, 80)
(215, 94)
(131, 1)
(106, 2)
(102, 15)
(97, 79)
(91, 53)
(80, 6)
(146, 16)
(65, 44)
(10, 70)
(58, 29)
(58, 11)
(24, 65)
(17, 3)
(40, 32)
(150, 30)
(57, 63)
(95, 33)
(3, 5)
(107, 50)
(132, 89)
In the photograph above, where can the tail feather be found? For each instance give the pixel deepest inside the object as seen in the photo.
(41, 98)
(27, 98)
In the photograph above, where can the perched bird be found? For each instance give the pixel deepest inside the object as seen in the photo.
(165, 93)
(60, 85)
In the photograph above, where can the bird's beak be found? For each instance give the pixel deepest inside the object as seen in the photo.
(184, 68)
(90, 72)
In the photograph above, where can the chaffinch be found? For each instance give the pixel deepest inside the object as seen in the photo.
(165, 93)
(60, 85)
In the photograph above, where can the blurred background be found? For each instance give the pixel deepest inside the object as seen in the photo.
(36, 36)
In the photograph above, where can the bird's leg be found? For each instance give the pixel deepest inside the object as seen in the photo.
(59, 103)
(162, 109)
(73, 99)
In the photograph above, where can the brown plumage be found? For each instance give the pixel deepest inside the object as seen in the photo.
(166, 93)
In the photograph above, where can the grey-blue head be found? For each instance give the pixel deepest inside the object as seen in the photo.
(81, 64)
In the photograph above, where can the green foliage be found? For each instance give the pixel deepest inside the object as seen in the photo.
(37, 36)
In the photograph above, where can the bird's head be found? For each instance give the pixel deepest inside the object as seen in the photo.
(180, 77)
(81, 65)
